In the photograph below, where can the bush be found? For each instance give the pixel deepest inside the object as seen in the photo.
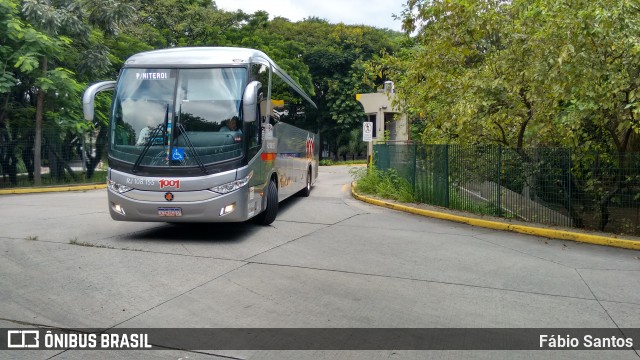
(386, 184)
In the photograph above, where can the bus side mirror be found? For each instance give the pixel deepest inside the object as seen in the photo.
(89, 97)
(250, 101)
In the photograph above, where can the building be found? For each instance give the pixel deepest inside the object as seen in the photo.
(386, 118)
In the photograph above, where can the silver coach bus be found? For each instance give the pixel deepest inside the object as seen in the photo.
(201, 135)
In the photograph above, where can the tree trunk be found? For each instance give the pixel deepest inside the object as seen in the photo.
(37, 147)
(570, 199)
(604, 207)
(101, 143)
(12, 167)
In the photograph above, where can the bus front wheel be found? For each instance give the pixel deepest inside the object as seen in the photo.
(307, 188)
(271, 210)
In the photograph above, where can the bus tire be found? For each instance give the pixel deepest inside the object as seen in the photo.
(307, 188)
(271, 210)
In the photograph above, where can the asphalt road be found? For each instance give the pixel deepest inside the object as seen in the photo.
(327, 261)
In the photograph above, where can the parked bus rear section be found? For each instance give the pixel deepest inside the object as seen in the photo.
(205, 135)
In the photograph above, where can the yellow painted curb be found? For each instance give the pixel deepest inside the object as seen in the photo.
(529, 230)
(336, 165)
(52, 189)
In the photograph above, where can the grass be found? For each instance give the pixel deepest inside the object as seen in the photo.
(75, 241)
(481, 208)
(386, 184)
(389, 184)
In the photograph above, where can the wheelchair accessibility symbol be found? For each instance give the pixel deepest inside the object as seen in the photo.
(178, 154)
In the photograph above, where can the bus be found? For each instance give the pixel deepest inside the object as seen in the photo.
(205, 134)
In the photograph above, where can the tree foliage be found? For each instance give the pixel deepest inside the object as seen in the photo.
(523, 72)
(528, 73)
(52, 49)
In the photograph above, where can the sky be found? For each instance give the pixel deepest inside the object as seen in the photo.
(377, 13)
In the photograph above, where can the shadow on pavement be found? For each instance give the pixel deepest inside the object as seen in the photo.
(196, 232)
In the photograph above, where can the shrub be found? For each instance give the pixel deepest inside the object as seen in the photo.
(386, 184)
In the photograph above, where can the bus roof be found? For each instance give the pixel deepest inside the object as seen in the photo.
(207, 56)
(196, 56)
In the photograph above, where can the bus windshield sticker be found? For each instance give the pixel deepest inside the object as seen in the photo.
(153, 76)
(177, 154)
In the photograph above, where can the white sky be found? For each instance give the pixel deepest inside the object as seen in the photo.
(376, 13)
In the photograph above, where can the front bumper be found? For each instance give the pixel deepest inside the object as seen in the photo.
(139, 206)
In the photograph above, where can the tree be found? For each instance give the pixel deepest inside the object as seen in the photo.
(54, 47)
(22, 75)
(519, 73)
(172, 23)
(60, 21)
(527, 73)
(336, 56)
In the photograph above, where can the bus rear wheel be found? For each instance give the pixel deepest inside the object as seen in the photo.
(271, 210)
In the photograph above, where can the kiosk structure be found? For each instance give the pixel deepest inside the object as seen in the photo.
(389, 123)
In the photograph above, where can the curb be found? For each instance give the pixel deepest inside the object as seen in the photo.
(529, 230)
(53, 189)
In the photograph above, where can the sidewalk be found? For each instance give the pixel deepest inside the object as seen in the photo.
(44, 189)
(626, 242)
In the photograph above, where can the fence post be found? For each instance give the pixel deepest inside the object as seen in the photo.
(84, 153)
(415, 166)
(446, 175)
(499, 190)
(569, 184)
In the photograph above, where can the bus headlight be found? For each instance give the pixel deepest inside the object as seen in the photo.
(232, 186)
(119, 188)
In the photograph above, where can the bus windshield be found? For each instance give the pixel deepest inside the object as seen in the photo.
(178, 117)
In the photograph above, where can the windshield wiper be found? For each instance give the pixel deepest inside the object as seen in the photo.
(152, 137)
(183, 131)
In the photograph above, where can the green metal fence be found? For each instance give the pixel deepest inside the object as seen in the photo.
(66, 157)
(552, 186)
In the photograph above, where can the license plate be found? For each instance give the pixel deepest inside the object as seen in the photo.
(170, 212)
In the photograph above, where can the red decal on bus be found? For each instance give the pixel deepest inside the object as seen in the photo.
(169, 183)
